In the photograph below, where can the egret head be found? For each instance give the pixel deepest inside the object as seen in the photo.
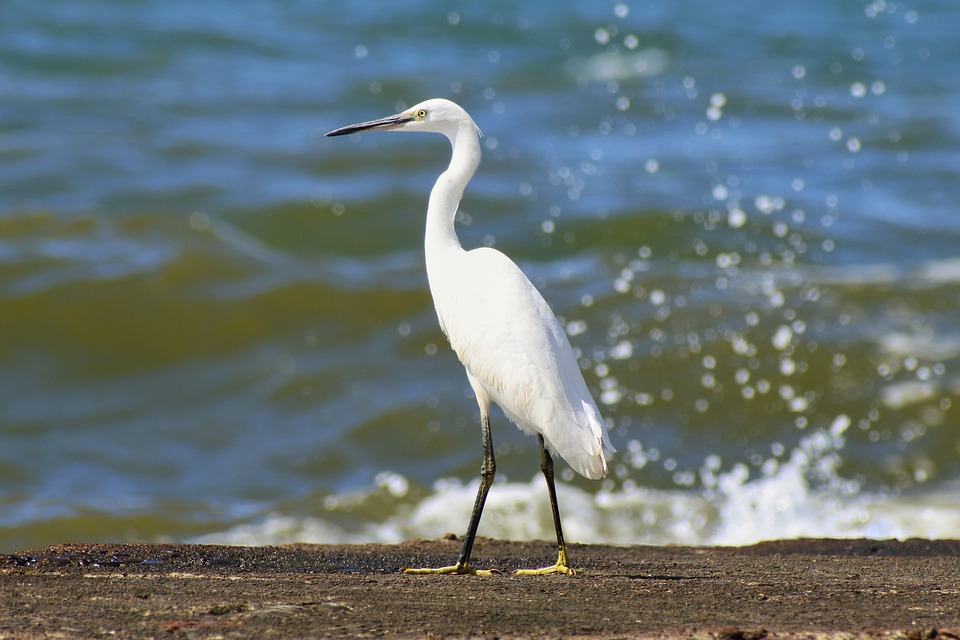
(433, 116)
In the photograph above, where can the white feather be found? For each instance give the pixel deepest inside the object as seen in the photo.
(515, 350)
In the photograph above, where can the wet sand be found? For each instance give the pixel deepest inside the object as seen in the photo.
(838, 589)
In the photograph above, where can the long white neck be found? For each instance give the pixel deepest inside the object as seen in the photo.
(441, 236)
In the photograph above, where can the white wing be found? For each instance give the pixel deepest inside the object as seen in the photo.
(514, 348)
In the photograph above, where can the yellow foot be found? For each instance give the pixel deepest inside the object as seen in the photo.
(557, 568)
(561, 567)
(461, 569)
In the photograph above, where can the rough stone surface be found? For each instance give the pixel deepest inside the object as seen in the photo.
(826, 589)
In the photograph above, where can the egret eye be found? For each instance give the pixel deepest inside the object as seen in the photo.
(421, 114)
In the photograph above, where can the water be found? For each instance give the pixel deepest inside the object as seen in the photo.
(215, 323)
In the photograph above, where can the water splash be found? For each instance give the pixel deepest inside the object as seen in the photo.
(802, 496)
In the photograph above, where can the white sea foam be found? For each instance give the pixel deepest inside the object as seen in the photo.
(800, 496)
(777, 507)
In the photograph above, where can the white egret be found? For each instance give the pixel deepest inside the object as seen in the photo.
(514, 350)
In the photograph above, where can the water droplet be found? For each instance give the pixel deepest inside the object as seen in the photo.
(736, 218)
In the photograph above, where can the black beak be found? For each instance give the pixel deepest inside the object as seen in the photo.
(383, 124)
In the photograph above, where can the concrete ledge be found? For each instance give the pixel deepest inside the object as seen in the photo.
(837, 589)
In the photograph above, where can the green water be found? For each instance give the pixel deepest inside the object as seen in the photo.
(214, 321)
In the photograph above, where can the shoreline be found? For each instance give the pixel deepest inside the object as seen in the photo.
(792, 588)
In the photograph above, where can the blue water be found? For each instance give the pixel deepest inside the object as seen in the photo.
(214, 322)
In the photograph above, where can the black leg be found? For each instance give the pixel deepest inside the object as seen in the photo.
(546, 465)
(487, 471)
